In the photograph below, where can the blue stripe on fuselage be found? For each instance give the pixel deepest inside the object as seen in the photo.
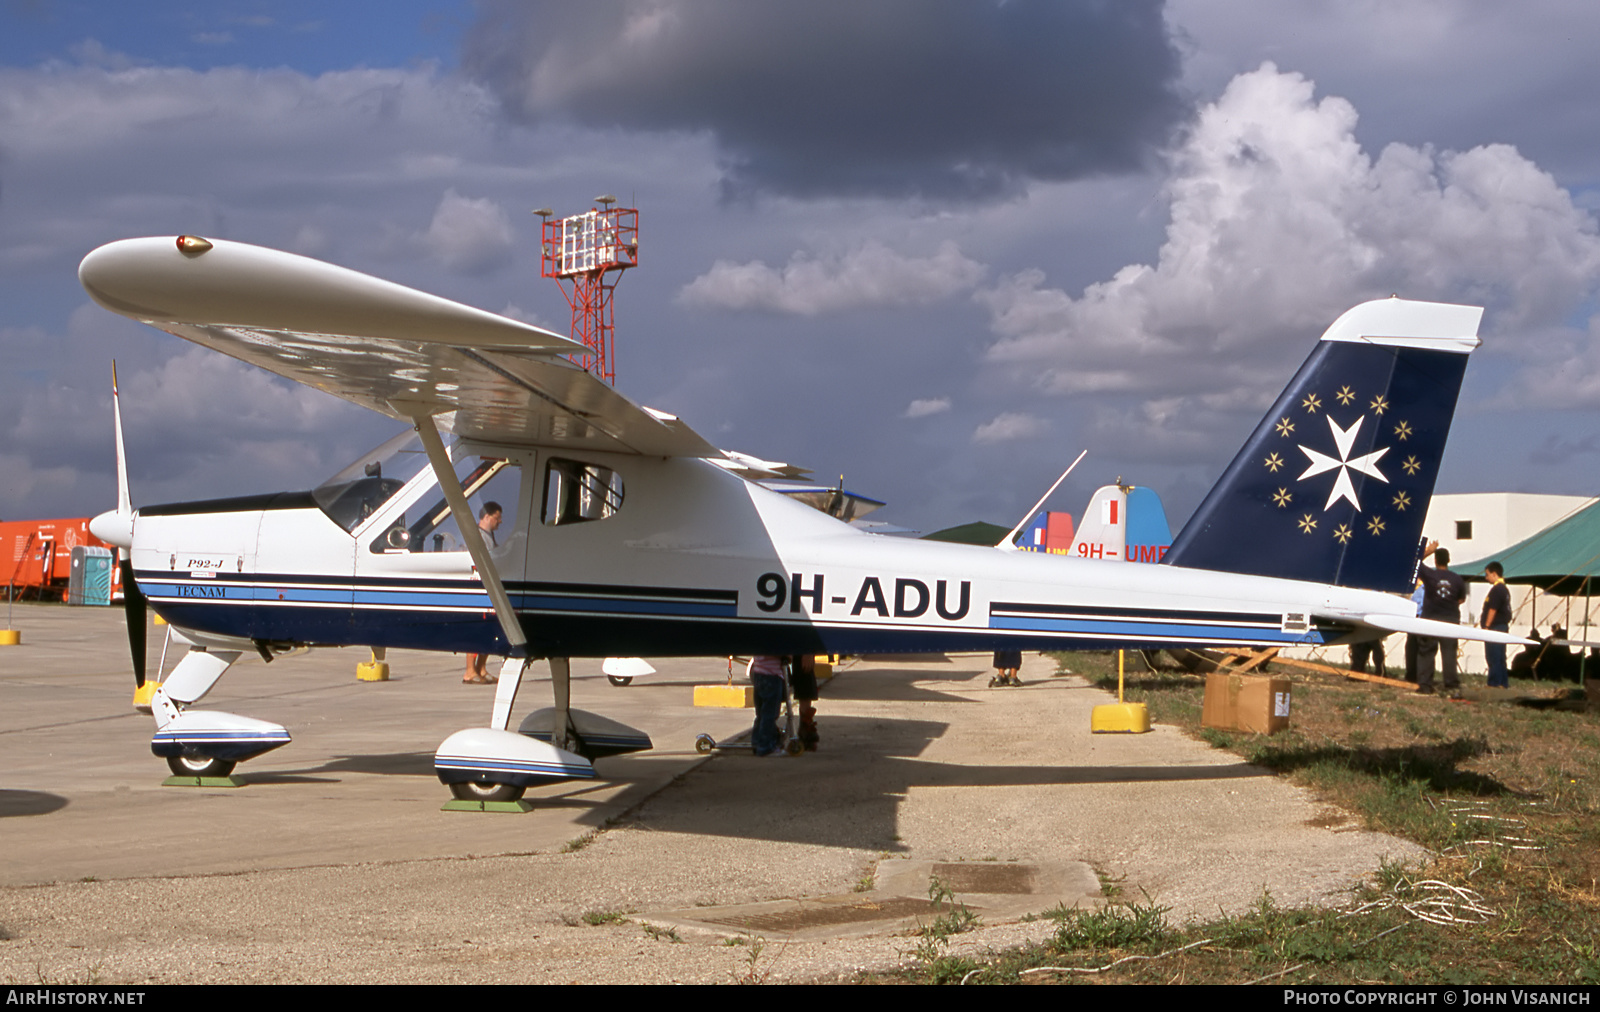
(1138, 628)
(580, 620)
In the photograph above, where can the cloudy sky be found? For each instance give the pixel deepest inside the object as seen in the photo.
(937, 247)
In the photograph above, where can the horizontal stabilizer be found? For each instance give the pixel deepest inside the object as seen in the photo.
(1441, 630)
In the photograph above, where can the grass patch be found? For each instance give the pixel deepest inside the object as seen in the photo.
(1505, 795)
(1117, 926)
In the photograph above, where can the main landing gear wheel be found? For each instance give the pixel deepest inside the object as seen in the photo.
(486, 792)
(199, 766)
(620, 680)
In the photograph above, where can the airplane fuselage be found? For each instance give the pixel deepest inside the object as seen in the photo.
(694, 561)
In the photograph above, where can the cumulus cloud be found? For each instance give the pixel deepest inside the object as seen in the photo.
(1009, 427)
(923, 407)
(897, 97)
(469, 236)
(1280, 221)
(870, 275)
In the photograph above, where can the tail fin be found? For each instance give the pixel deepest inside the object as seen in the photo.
(1333, 484)
(1122, 523)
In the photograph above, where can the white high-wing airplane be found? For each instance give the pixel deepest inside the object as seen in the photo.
(625, 532)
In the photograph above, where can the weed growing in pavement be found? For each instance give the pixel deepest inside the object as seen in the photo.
(659, 933)
(90, 976)
(753, 972)
(1110, 888)
(950, 918)
(595, 918)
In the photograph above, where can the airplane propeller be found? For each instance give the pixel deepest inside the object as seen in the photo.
(115, 527)
(133, 607)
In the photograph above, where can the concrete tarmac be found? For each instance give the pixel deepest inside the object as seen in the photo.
(335, 863)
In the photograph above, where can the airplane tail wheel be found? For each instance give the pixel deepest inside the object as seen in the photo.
(794, 746)
(199, 766)
(486, 792)
(704, 744)
(620, 680)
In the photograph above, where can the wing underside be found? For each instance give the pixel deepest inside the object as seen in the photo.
(383, 346)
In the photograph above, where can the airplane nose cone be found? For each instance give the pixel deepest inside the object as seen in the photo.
(113, 528)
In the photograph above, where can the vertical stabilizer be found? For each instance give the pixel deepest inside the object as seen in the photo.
(1333, 484)
(1123, 523)
(1103, 534)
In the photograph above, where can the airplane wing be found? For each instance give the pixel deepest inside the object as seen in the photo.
(378, 344)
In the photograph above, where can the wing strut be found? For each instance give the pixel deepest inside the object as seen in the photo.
(468, 525)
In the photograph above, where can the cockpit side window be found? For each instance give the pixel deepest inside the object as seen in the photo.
(361, 489)
(486, 481)
(349, 503)
(575, 492)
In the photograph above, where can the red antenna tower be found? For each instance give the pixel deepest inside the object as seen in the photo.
(586, 254)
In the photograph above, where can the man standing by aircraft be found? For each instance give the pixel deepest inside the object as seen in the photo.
(477, 672)
(1496, 616)
(1444, 593)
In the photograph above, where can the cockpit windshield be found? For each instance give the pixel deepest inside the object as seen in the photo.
(359, 490)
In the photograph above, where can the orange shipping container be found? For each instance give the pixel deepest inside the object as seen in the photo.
(36, 555)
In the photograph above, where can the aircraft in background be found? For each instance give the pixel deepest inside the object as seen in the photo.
(625, 532)
(1122, 523)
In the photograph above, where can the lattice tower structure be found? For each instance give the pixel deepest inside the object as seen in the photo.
(586, 254)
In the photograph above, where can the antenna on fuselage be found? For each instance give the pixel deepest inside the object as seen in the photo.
(1009, 542)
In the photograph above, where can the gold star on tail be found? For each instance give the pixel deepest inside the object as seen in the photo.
(1345, 395)
(1273, 462)
(1402, 431)
(1311, 403)
(1342, 532)
(1379, 404)
(1282, 498)
(1375, 526)
(1412, 465)
(1307, 525)
(1401, 501)
(1284, 426)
